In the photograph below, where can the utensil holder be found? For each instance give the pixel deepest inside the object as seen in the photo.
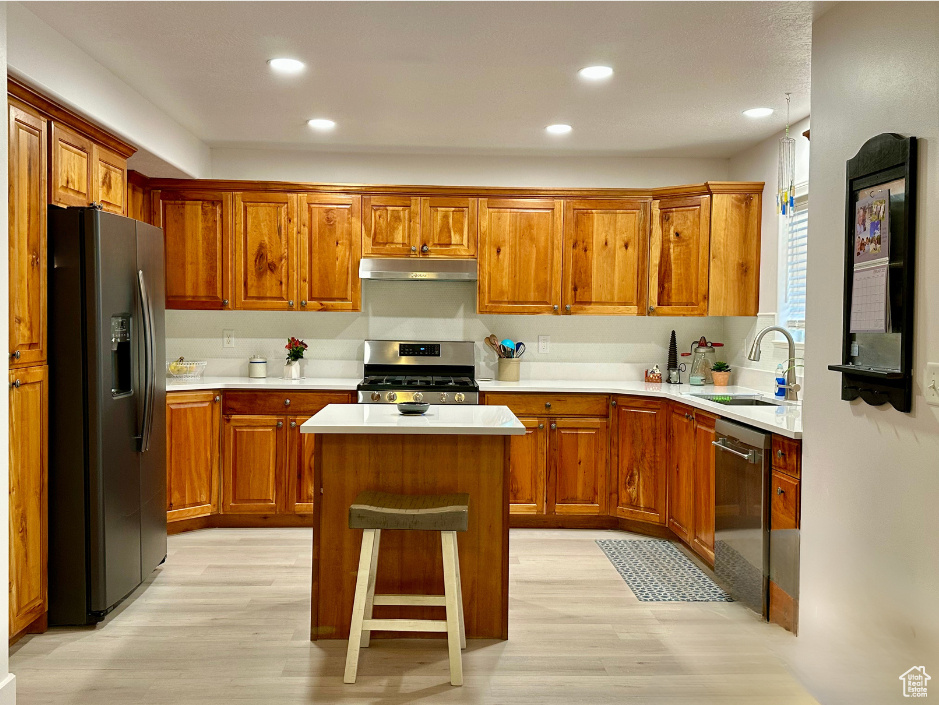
(508, 369)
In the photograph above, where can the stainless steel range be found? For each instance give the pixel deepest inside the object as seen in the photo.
(437, 373)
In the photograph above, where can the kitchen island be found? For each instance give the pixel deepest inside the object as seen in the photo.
(447, 450)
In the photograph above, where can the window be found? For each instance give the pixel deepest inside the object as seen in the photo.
(794, 233)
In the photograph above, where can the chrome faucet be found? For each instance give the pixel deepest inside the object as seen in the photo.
(791, 387)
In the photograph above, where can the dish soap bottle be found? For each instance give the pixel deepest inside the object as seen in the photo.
(780, 381)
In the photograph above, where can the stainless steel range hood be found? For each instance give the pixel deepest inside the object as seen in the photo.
(417, 269)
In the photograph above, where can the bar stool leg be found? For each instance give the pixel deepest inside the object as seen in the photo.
(370, 594)
(450, 582)
(358, 606)
(459, 593)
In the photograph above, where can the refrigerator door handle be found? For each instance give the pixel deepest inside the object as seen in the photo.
(146, 425)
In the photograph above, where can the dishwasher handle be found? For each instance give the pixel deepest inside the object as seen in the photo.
(751, 456)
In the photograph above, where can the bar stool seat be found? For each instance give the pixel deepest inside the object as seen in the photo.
(374, 512)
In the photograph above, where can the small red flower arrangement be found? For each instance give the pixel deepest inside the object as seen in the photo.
(295, 349)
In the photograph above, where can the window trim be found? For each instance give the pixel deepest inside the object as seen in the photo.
(801, 197)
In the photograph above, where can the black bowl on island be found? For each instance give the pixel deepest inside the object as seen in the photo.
(412, 408)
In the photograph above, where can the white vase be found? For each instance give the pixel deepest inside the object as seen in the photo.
(292, 369)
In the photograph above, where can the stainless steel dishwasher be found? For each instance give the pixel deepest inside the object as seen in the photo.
(742, 475)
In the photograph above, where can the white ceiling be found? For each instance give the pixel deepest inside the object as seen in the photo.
(459, 76)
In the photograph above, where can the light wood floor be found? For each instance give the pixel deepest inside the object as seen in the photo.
(226, 621)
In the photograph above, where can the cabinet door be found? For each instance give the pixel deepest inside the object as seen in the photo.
(519, 255)
(110, 181)
(27, 204)
(72, 178)
(527, 468)
(578, 466)
(678, 256)
(197, 235)
(192, 454)
(265, 271)
(734, 285)
(448, 227)
(254, 451)
(29, 444)
(681, 459)
(606, 256)
(702, 539)
(391, 226)
(639, 461)
(330, 249)
(301, 476)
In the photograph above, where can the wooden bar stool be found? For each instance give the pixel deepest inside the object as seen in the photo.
(377, 511)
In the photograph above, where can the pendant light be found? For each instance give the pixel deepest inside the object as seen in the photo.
(785, 194)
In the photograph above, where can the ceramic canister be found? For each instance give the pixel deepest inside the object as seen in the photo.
(257, 367)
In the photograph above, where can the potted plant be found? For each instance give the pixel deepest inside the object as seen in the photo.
(721, 374)
(295, 349)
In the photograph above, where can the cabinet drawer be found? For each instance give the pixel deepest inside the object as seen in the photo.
(784, 509)
(552, 404)
(281, 402)
(787, 456)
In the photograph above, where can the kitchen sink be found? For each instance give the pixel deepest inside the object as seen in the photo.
(729, 400)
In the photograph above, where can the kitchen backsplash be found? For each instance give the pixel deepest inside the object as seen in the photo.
(581, 347)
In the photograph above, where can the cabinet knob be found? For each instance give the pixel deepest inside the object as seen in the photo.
(555, 307)
(218, 399)
(541, 425)
(613, 403)
(290, 303)
(677, 234)
(16, 355)
(303, 302)
(568, 308)
(553, 426)
(280, 424)
(16, 384)
(547, 405)
(780, 454)
(651, 309)
(413, 248)
(293, 424)
(286, 402)
(224, 302)
(425, 248)
(780, 490)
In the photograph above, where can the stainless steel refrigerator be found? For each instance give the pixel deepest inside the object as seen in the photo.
(107, 439)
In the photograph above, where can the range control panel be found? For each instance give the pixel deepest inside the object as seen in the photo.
(419, 350)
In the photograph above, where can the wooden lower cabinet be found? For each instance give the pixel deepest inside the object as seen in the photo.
(29, 456)
(638, 465)
(301, 487)
(681, 459)
(192, 454)
(528, 467)
(702, 523)
(254, 451)
(577, 470)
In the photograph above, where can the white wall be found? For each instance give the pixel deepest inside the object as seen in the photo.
(462, 170)
(870, 524)
(45, 59)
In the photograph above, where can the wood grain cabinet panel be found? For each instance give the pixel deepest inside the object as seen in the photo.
(72, 177)
(639, 459)
(578, 458)
(192, 454)
(734, 288)
(253, 457)
(29, 455)
(448, 227)
(702, 534)
(606, 256)
(330, 250)
(535, 404)
(301, 474)
(785, 501)
(28, 165)
(528, 467)
(197, 234)
(678, 256)
(681, 460)
(265, 251)
(391, 226)
(110, 181)
(787, 456)
(519, 255)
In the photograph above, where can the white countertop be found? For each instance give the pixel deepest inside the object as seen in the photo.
(785, 419)
(438, 420)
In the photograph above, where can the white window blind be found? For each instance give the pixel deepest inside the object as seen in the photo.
(794, 257)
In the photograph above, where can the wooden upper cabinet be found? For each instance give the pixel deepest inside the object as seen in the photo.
(73, 173)
(578, 466)
(265, 251)
(330, 250)
(254, 451)
(448, 227)
(606, 256)
(702, 533)
(391, 226)
(681, 461)
(735, 254)
(28, 165)
(29, 464)
(678, 256)
(639, 459)
(519, 255)
(197, 233)
(110, 180)
(192, 454)
(528, 465)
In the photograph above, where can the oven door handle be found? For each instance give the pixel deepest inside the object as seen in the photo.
(751, 456)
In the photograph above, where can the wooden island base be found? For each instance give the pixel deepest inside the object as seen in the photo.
(410, 562)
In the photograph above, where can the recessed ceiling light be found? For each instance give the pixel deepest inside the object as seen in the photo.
(595, 73)
(321, 124)
(286, 65)
(758, 112)
(559, 129)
